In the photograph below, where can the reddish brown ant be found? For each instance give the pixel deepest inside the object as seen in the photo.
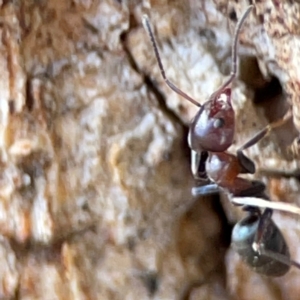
(256, 238)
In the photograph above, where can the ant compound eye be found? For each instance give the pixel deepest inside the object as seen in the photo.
(218, 123)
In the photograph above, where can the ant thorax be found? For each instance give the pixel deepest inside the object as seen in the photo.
(213, 126)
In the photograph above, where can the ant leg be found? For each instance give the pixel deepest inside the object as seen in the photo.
(265, 131)
(257, 189)
(198, 164)
(195, 161)
(279, 257)
(171, 85)
(208, 189)
(262, 203)
(245, 162)
(259, 247)
(198, 170)
(295, 146)
(263, 224)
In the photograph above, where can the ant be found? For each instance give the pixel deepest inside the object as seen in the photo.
(256, 238)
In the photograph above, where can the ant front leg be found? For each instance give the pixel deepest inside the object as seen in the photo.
(199, 172)
(245, 162)
(198, 164)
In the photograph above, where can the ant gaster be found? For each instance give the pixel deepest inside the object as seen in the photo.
(256, 238)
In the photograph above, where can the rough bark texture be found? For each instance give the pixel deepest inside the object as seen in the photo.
(95, 185)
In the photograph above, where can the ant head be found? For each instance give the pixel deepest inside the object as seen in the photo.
(213, 126)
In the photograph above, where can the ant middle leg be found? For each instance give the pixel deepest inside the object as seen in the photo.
(254, 189)
(258, 202)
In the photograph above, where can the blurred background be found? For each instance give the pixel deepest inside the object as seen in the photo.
(95, 188)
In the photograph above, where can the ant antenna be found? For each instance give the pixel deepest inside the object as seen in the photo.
(177, 90)
(233, 54)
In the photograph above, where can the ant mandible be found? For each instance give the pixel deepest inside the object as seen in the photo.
(256, 238)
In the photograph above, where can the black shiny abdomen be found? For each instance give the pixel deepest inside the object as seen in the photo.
(242, 239)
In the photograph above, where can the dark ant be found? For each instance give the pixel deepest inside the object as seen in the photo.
(256, 238)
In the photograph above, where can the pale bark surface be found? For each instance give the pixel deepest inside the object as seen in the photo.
(95, 198)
